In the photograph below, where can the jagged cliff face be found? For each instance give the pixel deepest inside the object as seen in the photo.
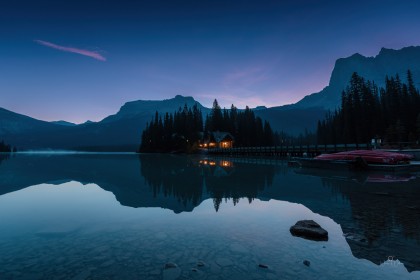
(387, 62)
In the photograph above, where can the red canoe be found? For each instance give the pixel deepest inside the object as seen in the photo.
(369, 156)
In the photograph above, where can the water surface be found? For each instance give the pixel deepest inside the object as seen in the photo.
(104, 216)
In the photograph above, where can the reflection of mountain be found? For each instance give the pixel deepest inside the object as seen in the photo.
(379, 219)
(116, 173)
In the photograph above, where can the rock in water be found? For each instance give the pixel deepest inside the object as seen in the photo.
(309, 229)
(171, 271)
(170, 265)
(200, 263)
(263, 265)
(306, 262)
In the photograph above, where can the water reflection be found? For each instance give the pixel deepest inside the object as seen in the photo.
(385, 218)
(192, 179)
(4, 156)
(378, 213)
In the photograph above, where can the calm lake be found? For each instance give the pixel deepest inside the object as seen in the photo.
(125, 216)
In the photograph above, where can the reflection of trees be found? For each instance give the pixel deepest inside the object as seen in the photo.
(381, 206)
(244, 181)
(4, 157)
(385, 218)
(189, 179)
(173, 176)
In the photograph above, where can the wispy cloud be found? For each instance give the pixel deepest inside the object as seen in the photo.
(88, 53)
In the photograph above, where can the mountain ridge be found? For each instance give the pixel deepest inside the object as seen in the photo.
(122, 130)
(388, 62)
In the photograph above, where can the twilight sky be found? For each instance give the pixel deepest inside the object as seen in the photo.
(79, 60)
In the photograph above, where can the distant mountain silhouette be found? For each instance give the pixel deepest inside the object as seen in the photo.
(293, 121)
(119, 132)
(134, 109)
(296, 117)
(122, 131)
(64, 123)
(14, 123)
(388, 62)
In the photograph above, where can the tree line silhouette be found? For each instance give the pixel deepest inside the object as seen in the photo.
(179, 131)
(368, 111)
(182, 130)
(4, 148)
(247, 129)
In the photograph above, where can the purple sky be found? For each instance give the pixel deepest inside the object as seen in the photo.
(82, 60)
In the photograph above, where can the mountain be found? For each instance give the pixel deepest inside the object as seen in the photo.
(293, 121)
(14, 123)
(388, 62)
(119, 132)
(134, 109)
(122, 131)
(64, 123)
(295, 118)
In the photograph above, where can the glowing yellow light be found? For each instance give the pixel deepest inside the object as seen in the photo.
(226, 163)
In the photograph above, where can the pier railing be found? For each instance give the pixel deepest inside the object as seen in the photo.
(288, 151)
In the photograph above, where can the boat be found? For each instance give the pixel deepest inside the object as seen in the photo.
(362, 160)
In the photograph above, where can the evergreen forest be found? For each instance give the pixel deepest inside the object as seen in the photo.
(182, 130)
(367, 112)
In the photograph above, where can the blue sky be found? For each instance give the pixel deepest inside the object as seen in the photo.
(79, 60)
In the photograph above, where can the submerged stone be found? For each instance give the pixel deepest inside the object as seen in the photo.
(200, 263)
(309, 229)
(170, 265)
(306, 262)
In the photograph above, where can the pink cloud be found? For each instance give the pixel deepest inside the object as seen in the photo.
(92, 54)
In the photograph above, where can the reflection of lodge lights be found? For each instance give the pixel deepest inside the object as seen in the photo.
(205, 162)
(225, 163)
